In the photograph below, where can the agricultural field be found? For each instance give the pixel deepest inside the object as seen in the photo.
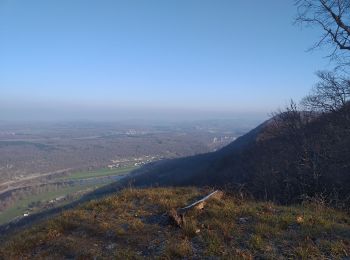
(22, 206)
(99, 173)
(73, 187)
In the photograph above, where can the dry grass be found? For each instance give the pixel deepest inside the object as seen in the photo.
(178, 249)
(130, 225)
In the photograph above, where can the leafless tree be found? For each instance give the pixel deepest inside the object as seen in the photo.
(330, 94)
(287, 122)
(333, 17)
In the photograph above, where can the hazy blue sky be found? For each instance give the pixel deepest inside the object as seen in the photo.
(84, 59)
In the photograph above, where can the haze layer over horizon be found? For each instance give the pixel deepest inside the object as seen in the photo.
(109, 60)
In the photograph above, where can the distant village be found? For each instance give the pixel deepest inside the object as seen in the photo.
(139, 161)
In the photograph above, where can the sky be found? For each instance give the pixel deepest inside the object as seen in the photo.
(111, 59)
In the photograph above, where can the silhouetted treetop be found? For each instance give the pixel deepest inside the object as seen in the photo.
(330, 94)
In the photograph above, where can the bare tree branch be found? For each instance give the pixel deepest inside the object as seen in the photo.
(333, 17)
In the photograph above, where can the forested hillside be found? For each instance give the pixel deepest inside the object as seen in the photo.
(293, 156)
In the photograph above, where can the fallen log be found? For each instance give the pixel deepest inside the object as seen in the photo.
(178, 216)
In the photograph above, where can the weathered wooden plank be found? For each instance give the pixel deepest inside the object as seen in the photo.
(201, 201)
(178, 216)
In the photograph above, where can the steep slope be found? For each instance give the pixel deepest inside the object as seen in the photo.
(285, 161)
(194, 170)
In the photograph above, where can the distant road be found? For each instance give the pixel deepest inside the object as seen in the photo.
(15, 184)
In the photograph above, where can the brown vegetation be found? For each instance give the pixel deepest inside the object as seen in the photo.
(132, 225)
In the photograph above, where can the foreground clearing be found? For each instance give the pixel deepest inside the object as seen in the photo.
(132, 225)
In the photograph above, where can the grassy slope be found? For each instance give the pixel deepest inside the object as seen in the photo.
(130, 225)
